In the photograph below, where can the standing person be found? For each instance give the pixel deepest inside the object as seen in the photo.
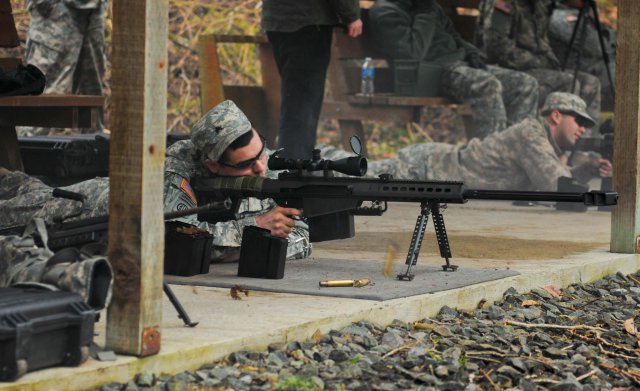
(420, 30)
(300, 32)
(528, 155)
(66, 42)
(514, 34)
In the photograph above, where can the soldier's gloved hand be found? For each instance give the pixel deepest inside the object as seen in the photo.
(475, 61)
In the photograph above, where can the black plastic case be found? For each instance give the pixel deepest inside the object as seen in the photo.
(40, 328)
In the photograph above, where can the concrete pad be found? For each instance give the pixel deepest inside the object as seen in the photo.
(228, 325)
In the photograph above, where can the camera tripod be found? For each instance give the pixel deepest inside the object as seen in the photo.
(589, 4)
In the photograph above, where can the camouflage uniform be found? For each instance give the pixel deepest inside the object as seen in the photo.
(521, 157)
(25, 200)
(513, 33)
(184, 163)
(66, 42)
(23, 197)
(561, 28)
(405, 29)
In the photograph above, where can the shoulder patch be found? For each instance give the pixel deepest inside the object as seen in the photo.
(504, 6)
(186, 187)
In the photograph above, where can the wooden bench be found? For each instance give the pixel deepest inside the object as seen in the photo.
(261, 103)
(48, 110)
(350, 108)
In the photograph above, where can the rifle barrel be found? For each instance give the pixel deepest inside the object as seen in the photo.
(592, 198)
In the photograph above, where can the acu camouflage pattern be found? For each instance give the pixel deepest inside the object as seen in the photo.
(23, 198)
(184, 164)
(565, 102)
(218, 128)
(562, 24)
(498, 97)
(521, 157)
(514, 34)
(66, 42)
(21, 261)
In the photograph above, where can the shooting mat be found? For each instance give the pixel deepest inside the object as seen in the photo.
(302, 277)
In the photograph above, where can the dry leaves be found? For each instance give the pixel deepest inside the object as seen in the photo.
(530, 303)
(236, 290)
(316, 336)
(553, 291)
(630, 326)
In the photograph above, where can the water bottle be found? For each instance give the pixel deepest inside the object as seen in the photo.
(367, 77)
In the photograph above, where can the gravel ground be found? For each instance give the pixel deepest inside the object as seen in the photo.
(581, 338)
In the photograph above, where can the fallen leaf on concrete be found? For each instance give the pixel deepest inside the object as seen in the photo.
(236, 290)
(553, 291)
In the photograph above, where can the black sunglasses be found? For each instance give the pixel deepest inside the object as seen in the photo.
(582, 122)
(249, 162)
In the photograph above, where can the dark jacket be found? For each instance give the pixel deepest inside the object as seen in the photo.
(418, 30)
(291, 15)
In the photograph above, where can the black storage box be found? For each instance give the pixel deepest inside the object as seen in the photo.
(40, 328)
(79, 156)
(261, 254)
(186, 254)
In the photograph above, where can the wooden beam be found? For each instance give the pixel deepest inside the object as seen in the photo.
(136, 227)
(625, 227)
(272, 86)
(211, 90)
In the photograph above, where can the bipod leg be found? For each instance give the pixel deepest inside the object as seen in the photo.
(605, 55)
(416, 241)
(182, 314)
(441, 237)
(573, 37)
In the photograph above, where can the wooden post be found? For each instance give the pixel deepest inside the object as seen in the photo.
(136, 228)
(271, 85)
(211, 91)
(625, 229)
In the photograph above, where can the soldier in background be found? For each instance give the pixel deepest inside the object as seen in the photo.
(513, 33)
(420, 30)
(223, 142)
(525, 156)
(562, 24)
(66, 42)
(301, 32)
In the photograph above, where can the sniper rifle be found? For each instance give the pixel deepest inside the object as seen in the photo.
(329, 202)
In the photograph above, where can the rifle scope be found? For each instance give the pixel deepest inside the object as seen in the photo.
(354, 165)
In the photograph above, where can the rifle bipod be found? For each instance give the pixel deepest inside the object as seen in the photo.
(427, 208)
(182, 314)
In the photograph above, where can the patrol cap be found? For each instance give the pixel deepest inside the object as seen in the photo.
(566, 102)
(218, 128)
